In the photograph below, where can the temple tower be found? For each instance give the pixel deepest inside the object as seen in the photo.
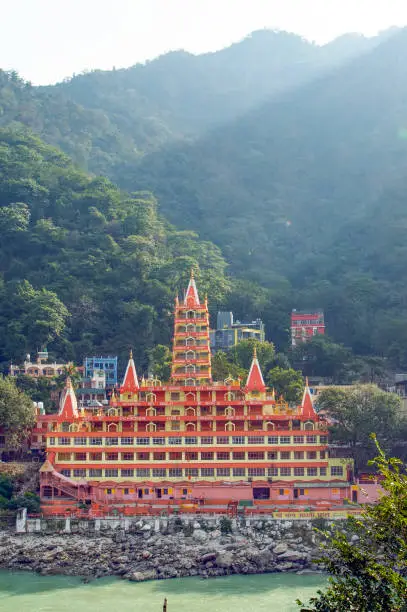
(191, 357)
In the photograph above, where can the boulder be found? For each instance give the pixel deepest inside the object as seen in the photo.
(199, 535)
(292, 555)
(224, 559)
(280, 548)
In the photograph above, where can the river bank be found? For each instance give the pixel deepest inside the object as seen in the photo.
(179, 549)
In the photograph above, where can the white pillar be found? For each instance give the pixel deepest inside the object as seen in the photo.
(21, 521)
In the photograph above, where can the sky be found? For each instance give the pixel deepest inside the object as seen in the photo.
(48, 40)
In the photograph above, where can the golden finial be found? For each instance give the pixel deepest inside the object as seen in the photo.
(192, 274)
(131, 353)
(254, 352)
(306, 381)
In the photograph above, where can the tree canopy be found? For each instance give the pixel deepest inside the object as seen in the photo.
(16, 414)
(85, 267)
(368, 560)
(357, 412)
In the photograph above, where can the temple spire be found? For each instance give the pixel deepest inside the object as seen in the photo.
(130, 381)
(68, 405)
(255, 380)
(191, 295)
(307, 405)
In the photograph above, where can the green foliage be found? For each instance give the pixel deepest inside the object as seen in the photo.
(322, 357)
(160, 362)
(16, 413)
(242, 353)
(87, 268)
(370, 574)
(225, 525)
(358, 411)
(266, 188)
(38, 389)
(28, 500)
(223, 367)
(288, 383)
(6, 487)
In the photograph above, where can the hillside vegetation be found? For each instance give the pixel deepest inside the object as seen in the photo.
(290, 157)
(103, 119)
(85, 267)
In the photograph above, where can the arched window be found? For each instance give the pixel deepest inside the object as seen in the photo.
(190, 396)
(112, 427)
(151, 397)
(151, 411)
(190, 369)
(73, 427)
(190, 327)
(151, 427)
(190, 382)
(190, 341)
(190, 426)
(309, 425)
(229, 395)
(229, 411)
(112, 412)
(191, 314)
(190, 355)
(270, 426)
(190, 411)
(229, 426)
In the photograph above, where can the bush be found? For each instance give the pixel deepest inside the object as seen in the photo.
(225, 525)
(31, 501)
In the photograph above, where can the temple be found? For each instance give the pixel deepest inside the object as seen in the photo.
(190, 442)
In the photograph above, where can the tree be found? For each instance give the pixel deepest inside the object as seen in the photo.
(223, 367)
(160, 362)
(355, 413)
(242, 353)
(68, 371)
(320, 356)
(38, 389)
(369, 571)
(16, 413)
(286, 382)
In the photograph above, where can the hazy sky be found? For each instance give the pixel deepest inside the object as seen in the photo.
(47, 40)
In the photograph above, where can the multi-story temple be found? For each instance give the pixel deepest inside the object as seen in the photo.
(189, 441)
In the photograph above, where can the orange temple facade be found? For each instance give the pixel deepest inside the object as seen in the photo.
(191, 443)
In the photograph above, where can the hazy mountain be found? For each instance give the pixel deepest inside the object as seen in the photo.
(103, 118)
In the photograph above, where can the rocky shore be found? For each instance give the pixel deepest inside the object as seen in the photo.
(178, 549)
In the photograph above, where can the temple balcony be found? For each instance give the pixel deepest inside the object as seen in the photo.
(191, 320)
(193, 334)
(183, 360)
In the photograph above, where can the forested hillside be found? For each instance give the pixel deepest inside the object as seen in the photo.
(84, 267)
(303, 194)
(307, 193)
(103, 119)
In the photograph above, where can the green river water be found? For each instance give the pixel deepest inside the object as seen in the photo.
(26, 592)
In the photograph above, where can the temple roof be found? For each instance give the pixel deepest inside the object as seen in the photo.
(191, 295)
(68, 406)
(130, 381)
(255, 380)
(306, 404)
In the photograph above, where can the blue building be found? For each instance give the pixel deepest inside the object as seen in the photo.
(108, 365)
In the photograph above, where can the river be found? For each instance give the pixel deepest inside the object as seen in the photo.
(27, 592)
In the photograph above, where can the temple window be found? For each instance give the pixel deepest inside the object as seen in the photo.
(308, 425)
